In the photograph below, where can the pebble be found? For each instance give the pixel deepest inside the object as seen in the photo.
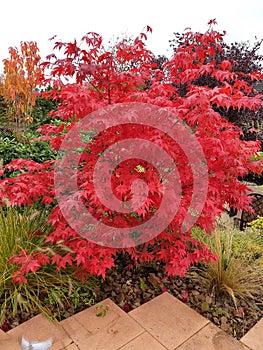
(146, 295)
(195, 292)
(120, 298)
(216, 320)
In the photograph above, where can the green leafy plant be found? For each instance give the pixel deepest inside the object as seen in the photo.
(18, 144)
(12, 148)
(232, 274)
(103, 310)
(143, 285)
(249, 245)
(257, 225)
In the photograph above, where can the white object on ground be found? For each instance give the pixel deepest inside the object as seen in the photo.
(26, 345)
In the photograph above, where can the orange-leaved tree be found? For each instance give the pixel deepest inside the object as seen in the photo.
(18, 85)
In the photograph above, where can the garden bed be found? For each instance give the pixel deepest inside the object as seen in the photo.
(131, 289)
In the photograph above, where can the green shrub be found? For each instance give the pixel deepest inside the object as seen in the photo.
(12, 148)
(257, 226)
(16, 143)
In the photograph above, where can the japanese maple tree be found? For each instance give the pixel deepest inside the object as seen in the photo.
(101, 79)
(244, 57)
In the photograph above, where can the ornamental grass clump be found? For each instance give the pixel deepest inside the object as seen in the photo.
(233, 274)
(23, 231)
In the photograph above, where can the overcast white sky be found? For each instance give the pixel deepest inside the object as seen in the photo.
(23, 20)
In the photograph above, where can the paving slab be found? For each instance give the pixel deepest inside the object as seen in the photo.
(254, 337)
(39, 328)
(3, 335)
(144, 341)
(212, 338)
(72, 346)
(110, 332)
(168, 320)
(8, 343)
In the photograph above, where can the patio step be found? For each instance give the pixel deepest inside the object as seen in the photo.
(163, 323)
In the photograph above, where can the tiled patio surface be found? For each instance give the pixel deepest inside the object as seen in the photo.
(163, 323)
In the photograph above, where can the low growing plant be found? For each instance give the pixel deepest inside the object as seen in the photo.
(22, 232)
(249, 244)
(12, 148)
(233, 274)
(257, 225)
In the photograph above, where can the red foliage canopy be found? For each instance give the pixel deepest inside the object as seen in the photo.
(96, 78)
